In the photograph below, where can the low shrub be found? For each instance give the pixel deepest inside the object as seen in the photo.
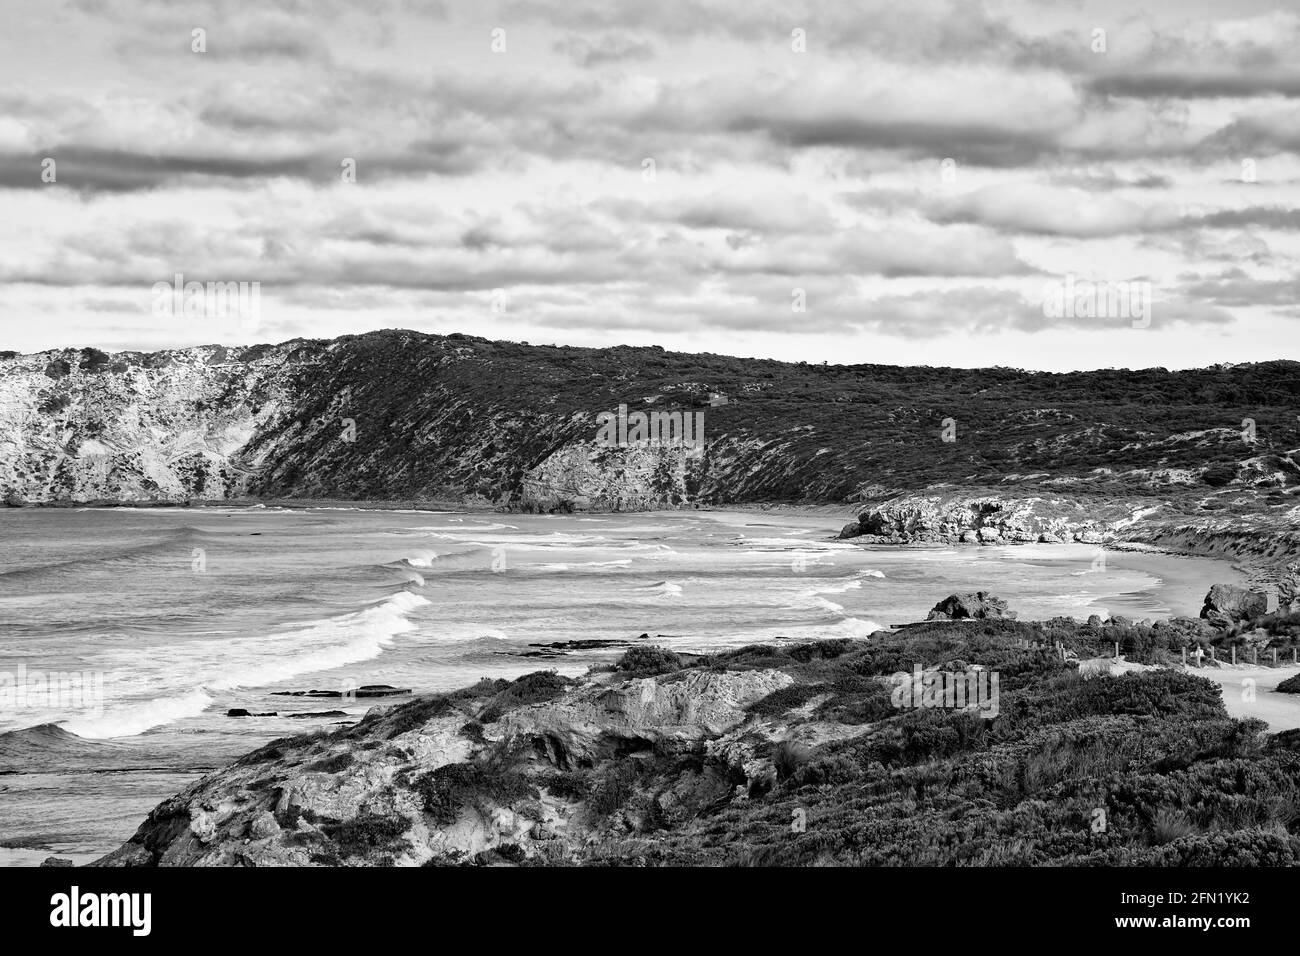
(649, 661)
(447, 789)
(366, 833)
(534, 688)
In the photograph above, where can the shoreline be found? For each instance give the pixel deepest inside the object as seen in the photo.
(1255, 571)
(1176, 592)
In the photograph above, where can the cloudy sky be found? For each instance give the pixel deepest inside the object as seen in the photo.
(846, 181)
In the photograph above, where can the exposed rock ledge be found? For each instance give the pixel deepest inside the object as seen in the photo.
(838, 752)
(449, 777)
(1260, 530)
(991, 519)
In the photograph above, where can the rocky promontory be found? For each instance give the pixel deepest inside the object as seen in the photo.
(1259, 528)
(838, 752)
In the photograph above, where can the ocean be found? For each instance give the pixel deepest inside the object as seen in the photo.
(169, 618)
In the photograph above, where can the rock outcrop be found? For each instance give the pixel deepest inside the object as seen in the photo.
(976, 606)
(457, 776)
(1260, 531)
(987, 519)
(799, 754)
(588, 477)
(1228, 604)
(1288, 587)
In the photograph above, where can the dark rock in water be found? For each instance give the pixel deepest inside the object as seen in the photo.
(14, 501)
(851, 530)
(1227, 604)
(241, 712)
(593, 644)
(365, 690)
(317, 713)
(56, 861)
(979, 606)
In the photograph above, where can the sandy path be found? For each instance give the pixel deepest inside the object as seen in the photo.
(1279, 711)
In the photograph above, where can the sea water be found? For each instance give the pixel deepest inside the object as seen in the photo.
(184, 614)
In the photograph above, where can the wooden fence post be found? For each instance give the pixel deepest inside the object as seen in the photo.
(1117, 648)
(1184, 656)
(1275, 657)
(1234, 655)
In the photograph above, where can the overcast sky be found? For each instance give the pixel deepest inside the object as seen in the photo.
(919, 175)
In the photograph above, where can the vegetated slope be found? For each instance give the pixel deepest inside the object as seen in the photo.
(464, 417)
(784, 755)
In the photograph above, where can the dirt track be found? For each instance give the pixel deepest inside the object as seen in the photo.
(1279, 711)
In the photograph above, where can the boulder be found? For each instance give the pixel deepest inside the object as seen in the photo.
(263, 826)
(591, 722)
(1227, 604)
(851, 530)
(980, 606)
(1288, 588)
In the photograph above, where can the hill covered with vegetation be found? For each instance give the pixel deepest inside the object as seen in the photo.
(405, 415)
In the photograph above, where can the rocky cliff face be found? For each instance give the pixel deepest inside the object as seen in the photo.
(586, 476)
(405, 416)
(80, 425)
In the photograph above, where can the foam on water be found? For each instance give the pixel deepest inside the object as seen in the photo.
(135, 719)
(241, 662)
